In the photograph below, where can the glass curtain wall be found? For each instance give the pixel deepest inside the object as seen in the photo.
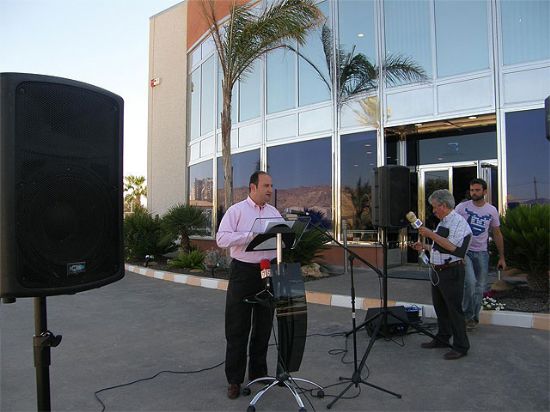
(302, 176)
(244, 164)
(312, 85)
(444, 37)
(358, 160)
(201, 190)
(528, 172)
(408, 26)
(358, 76)
(469, 51)
(525, 30)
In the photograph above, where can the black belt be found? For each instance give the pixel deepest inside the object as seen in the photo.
(439, 268)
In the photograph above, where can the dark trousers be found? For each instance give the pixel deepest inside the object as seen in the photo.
(244, 320)
(447, 299)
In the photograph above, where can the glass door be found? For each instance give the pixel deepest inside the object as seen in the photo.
(452, 176)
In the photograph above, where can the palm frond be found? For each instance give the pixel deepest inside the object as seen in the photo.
(399, 68)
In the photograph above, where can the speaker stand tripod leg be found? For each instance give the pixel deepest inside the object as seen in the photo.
(356, 378)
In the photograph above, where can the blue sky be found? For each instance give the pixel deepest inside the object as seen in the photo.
(101, 42)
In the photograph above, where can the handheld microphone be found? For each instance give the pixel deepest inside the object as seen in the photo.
(265, 273)
(415, 222)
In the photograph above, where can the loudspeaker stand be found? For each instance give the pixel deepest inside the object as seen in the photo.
(43, 340)
(356, 378)
(384, 311)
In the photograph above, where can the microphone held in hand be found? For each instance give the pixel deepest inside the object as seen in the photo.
(415, 222)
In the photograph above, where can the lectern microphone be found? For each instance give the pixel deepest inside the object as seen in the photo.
(265, 273)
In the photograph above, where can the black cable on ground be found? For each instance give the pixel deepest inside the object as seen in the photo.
(96, 393)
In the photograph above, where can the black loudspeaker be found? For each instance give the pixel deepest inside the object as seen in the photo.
(394, 326)
(391, 196)
(60, 186)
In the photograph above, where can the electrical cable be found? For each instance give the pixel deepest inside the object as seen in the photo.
(96, 393)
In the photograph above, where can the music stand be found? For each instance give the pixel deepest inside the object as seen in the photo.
(289, 298)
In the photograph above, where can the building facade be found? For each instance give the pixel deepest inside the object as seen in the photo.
(477, 110)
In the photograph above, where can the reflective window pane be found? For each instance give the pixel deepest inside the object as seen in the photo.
(302, 177)
(207, 95)
(433, 180)
(244, 164)
(528, 151)
(201, 189)
(234, 100)
(407, 31)
(195, 57)
(208, 47)
(358, 32)
(358, 160)
(357, 47)
(194, 102)
(311, 87)
(249, 93)
(458, 148)
(525, 30)
(461, 36)
(281, 81)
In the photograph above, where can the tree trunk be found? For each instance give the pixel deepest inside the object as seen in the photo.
(185, 243)
(226, 145)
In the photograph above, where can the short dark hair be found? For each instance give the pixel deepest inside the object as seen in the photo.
(478, 181)
(255, 178)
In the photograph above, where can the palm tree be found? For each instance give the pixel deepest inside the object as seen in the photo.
(184, 220)
(243, 38)
(134, 189)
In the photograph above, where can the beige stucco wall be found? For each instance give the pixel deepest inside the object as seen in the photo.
(167, 128)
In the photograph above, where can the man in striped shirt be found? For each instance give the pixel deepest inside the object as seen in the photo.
(243, 319)
(450, 243)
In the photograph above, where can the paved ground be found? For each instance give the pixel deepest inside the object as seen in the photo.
(139, 326)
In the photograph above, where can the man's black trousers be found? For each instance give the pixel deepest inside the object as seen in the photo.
(246, 325)
(447, 300)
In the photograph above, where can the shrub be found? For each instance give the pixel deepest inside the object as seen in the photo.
(183, 221)
(309, 248)
(527, 242)
(191, 260)
(143, 236)
(216, 258)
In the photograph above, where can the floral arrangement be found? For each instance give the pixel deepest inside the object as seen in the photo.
(490, 303)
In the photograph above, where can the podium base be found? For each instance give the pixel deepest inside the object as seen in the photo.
(282, 380)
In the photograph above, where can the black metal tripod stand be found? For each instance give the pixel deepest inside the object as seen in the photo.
(356, 378)
(384, 311)
(43, 340)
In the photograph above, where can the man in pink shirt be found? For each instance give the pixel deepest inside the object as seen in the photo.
(245, 280)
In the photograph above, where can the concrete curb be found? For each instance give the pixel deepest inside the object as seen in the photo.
(501, 318)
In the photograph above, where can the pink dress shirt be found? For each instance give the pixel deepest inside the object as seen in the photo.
(234, 231)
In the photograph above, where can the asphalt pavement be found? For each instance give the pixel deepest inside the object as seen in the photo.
(144, 344)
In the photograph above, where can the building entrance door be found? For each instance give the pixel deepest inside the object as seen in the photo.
(453, 176)
(456, 178)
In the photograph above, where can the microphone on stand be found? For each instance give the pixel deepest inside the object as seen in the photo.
(265, 273)
(416, 223)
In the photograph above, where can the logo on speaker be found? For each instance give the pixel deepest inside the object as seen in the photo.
(76, 268)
